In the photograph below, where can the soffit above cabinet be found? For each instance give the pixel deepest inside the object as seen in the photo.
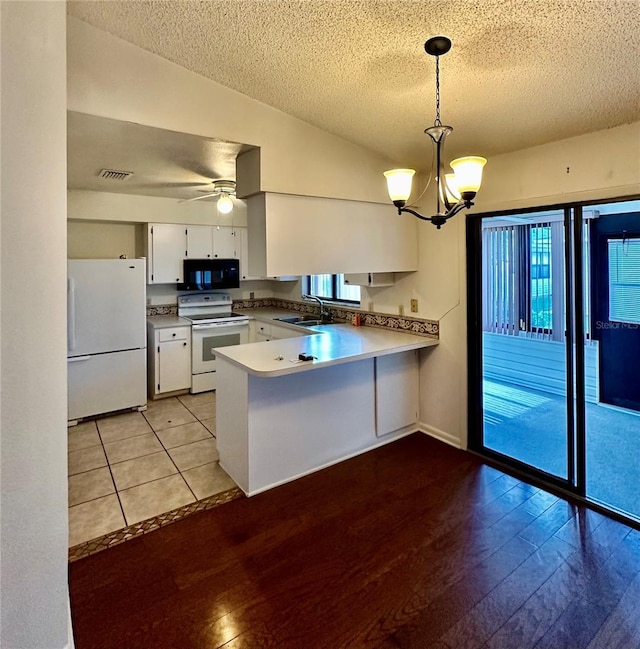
(302, 235)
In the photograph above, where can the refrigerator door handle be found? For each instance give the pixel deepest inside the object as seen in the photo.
(71, 313)
(77, 359)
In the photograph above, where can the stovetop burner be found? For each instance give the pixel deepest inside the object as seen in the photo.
(213, 316)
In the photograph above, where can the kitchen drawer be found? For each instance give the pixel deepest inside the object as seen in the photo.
(263, 328)
(174, 333)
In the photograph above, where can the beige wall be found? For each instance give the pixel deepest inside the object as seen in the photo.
(86, 240)
(595, 166)
(33, 413)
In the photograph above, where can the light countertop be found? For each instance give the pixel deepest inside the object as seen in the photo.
(265, 313)
(166, 321)
(330, 345)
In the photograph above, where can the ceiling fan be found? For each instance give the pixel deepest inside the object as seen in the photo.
(225, 189)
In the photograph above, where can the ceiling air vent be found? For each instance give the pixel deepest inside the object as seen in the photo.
(113, 174)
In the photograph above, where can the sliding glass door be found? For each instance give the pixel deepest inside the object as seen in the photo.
(613, 419)
(554, 347)
(524, 354)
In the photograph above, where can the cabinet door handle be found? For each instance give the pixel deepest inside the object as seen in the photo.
(173, 335)
(184, 344)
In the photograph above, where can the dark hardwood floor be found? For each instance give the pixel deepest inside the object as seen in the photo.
(413, 545)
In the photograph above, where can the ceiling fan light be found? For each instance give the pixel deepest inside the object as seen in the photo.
(468, 173)
(225, 204)
(399, 183)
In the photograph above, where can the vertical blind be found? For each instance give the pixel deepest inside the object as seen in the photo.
(523, 280)
(624, 281)
(500, 311)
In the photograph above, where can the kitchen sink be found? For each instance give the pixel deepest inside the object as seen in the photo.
(302, 321)
(305, 320)
(308, 323)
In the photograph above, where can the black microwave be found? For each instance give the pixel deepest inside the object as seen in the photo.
(210, 274)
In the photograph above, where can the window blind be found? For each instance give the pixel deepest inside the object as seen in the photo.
(624, 281)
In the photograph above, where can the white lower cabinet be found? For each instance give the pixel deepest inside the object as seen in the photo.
(260, 331)
(169, 354)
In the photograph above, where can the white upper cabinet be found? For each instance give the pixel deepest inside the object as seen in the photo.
(168, 244)
(199, 242)
(303, 235)
(210, 241)
(369, 279)
(242, 242)
(166, 247)
(224, 243)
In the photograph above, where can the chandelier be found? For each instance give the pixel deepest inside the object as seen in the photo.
(455, 191)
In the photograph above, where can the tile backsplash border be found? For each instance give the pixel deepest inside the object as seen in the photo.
(420, 326)
(161, 310)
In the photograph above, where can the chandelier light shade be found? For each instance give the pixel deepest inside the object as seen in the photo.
(456, 190)
(225, 204)
(468, 174)
(399, 183)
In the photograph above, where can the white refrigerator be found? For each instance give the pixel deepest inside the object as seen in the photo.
(106, 336)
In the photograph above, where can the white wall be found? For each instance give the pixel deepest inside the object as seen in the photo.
(33, 412)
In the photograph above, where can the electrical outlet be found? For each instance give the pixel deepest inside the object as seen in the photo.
(401, 310)
(414, 306)
(370, 306)
(252, 295)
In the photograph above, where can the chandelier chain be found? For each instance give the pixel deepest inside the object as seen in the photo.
(437, 122)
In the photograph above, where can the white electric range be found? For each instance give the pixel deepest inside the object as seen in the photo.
(212, 325)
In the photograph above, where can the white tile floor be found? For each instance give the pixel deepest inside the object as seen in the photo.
(129, 467)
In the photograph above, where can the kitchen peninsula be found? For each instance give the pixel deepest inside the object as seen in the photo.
(279, 418)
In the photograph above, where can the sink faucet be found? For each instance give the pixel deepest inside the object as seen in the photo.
(325, 314)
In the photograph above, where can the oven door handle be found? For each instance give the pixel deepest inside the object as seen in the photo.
(220, 325)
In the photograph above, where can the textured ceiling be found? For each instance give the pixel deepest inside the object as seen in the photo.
(520, 73)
